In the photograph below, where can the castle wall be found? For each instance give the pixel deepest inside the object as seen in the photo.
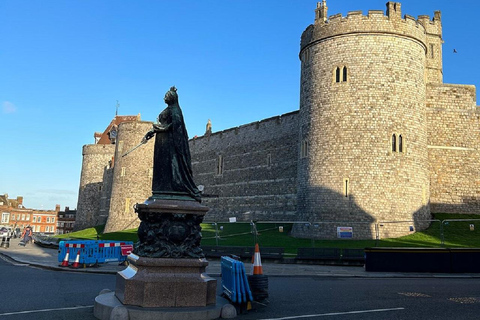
(351, 172)
(453, 148)
(95, 157)
(257, 180)
(132, 176)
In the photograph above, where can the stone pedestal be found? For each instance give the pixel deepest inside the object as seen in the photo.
(167, 266)
(165, 282)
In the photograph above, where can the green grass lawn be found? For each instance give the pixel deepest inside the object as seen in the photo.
(456, 234)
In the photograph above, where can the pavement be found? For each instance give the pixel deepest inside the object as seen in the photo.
(47, 258)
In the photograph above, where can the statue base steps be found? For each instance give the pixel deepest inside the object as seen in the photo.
(108, 307)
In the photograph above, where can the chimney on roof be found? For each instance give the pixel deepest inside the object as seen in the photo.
(67, 209)
(20, 201)
(57, 207)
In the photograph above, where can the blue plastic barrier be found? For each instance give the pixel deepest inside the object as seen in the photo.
(92, 251)
(234, 281)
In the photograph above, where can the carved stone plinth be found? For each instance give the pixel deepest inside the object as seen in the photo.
(169, 229)
(165, 282)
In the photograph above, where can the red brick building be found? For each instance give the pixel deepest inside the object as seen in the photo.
(14, 215)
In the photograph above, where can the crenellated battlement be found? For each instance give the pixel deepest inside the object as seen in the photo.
(434, 26)
(375, 22)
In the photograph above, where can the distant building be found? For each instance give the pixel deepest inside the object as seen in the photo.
(14, 215)
(66, 221)
(45, 221)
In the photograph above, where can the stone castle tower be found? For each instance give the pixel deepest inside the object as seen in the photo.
(378, 137)
(132, 176)
(105, 175)
(363, 115)
(95, 160)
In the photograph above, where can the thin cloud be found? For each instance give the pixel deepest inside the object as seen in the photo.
(8, 107)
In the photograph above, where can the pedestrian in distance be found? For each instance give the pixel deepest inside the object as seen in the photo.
(26, 236)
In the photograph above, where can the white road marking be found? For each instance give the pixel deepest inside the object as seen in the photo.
(335, 314)
(43, 310)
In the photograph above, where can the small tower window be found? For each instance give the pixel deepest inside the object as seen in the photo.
(269, 160)
(306, 55)
(340, 74)
(304, 149)
(394, 143)
(400, 143)
(220, 165)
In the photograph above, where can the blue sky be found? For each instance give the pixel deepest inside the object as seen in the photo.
(64, 64)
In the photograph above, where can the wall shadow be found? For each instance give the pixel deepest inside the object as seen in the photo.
(332, 215)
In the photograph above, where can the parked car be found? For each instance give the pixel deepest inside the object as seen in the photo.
(4, 232)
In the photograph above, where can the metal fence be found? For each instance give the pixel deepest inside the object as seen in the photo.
(431, 233)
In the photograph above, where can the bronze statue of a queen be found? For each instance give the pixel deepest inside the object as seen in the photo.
(172, 167)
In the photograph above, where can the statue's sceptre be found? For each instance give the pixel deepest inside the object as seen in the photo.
(147, 137)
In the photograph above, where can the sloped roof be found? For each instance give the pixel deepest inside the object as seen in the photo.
(104, 137)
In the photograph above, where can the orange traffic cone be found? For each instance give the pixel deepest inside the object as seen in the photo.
(257, 263)
(65, 260)
(76, 264)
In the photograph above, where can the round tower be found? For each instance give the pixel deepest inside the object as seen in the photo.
(363, 153)
(132, 175)
(94, 162)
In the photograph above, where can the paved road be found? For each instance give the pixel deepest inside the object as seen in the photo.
(362, 298)
(24, 289)
(44, 294)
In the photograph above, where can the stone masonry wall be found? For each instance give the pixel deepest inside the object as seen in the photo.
(258, 181)
(132, 176)
(95, 157)
(453, 148)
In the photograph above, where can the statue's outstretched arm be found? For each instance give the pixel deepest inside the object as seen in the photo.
(158, 127)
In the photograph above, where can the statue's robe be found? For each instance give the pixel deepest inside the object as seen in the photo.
(172, 168)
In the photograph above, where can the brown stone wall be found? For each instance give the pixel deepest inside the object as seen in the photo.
(95, 158)
(453, 150)
(258, 181)
(351, 173)
(132, 181)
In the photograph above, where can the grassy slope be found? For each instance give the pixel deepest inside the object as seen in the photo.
(456, 234)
